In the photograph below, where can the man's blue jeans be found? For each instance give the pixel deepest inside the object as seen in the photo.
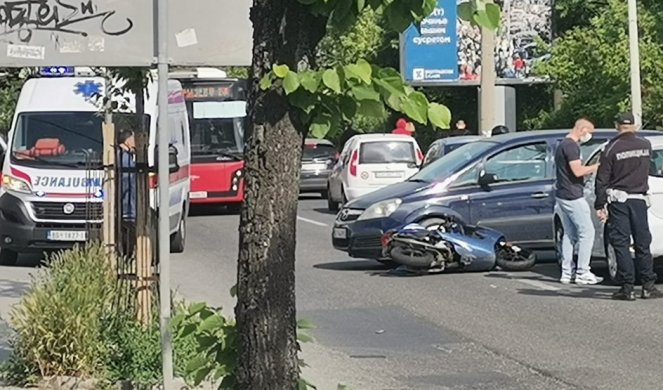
(578, 230)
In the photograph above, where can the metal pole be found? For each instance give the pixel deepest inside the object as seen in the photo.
(634, 49)
(488, 76)
(163, 184)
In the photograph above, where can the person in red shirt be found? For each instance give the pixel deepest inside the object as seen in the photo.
(403, 127)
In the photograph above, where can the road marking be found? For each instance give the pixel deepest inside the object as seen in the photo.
(537, 284)
(312, 222)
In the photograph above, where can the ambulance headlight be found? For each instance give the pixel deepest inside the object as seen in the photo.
(12, 183)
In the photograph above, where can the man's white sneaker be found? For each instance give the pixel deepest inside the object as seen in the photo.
(566, 279)
(588, 278)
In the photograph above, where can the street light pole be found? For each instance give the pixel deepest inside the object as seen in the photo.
(488, 76)
(634, 51)
(163, 230)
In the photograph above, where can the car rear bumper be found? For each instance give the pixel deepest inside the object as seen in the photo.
(313, 184)
(19, 233)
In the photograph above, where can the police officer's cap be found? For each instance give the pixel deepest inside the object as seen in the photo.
(625, 118)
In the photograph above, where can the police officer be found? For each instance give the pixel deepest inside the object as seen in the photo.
(622, 202)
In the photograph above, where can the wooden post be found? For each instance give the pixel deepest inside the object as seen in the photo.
(109, 204)
(143, 218)
(143, 229)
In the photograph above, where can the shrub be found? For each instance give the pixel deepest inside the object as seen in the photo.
(68, 324)
(58, 322)
(215, 337)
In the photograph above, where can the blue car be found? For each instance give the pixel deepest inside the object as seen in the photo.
(504, 182)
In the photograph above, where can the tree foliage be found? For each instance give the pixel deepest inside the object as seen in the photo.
(329, 97)
(590, 65)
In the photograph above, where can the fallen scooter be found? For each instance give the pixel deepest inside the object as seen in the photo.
(453, 245)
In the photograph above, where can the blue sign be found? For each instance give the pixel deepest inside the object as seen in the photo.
(88, 88)
(57, 71)
(431, 53)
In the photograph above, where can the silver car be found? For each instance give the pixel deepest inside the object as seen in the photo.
(318, 158)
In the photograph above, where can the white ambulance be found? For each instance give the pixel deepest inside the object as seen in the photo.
(52, 178)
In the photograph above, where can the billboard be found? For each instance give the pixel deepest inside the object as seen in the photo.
(524, 23)
(121, 32)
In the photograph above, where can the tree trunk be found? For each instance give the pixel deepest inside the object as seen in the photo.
(284, 33)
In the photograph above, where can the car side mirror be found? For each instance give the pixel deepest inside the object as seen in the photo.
(486, 179)
(173, 165)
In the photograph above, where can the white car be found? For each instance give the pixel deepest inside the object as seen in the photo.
(601, 245)
(369, 162)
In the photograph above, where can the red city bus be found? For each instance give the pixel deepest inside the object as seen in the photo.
(217, 108)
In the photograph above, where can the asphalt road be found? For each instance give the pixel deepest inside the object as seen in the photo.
(375, 330)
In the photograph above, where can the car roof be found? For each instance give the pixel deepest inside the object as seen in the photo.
(317, 141)
(457, 139)
(383, 137)
(656, 140)
(538, 134)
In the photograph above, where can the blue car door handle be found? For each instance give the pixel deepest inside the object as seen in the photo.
(539, 195)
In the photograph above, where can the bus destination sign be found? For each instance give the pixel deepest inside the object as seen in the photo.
(206, 92)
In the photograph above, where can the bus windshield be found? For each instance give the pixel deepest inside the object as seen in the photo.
(218, 129)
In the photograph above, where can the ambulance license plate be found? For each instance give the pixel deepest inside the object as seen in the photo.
(59, 235)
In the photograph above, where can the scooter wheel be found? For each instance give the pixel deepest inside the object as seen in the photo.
(512, 260)
(412, 257)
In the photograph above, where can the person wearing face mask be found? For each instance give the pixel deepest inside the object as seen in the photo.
(573, 209)
(622, 184)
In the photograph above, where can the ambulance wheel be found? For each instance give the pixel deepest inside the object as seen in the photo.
(8, 257)
(178, 240)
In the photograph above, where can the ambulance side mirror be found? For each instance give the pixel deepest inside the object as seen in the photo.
(173, 165)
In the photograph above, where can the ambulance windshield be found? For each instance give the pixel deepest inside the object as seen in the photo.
(64, 139)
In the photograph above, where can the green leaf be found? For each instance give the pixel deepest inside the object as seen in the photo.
(266, 82)
(187, 330)
(196, 364)
(332, 80)
(197, 307)
(304, 337)
(398, 15)
(305, 324)
(177, 321)
(228, 383)
(371, 108)
(212, 322)
(303, 384)
(362, 92)
(280, 70)
(201, 375)
(303, 100)
(348, 107)
(415, 106)
(360, 71)
(307, 2)
(233, 291)
(310, 80)
(219, 372)
(320, 125)
(360, 5)
(465, 11)
(489, 17)
(290, 82)
(439, 116)
(494, 15)
(342, 10)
